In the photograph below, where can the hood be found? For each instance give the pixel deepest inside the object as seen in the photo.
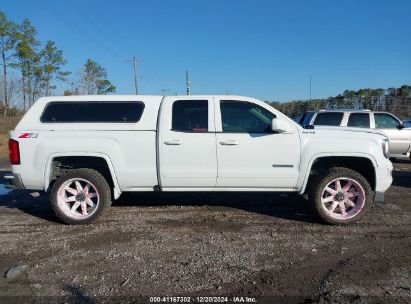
(349, 129)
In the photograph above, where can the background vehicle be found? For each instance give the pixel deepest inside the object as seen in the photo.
(306, 118)
(87, 149)
(398, 135)
(407, 123)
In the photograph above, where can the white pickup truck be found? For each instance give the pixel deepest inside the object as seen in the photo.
(87, 150)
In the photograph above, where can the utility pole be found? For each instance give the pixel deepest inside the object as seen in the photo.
(135, 61)
(187, 84)
(310, 86)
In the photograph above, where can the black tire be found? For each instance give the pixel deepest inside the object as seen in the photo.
(101, 186)
(320, 181)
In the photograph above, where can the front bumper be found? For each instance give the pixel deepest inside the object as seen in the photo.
(383, 179)
(13, 181)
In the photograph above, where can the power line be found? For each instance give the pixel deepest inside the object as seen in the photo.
(147, 79)
(153, 75)
(107, 22)
(61, 17)
(91, 21)
(96, 25)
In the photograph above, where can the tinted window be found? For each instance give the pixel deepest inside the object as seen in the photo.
(359, 120)
(72, 112)
(190, 116)
(238, 116)
(306, 118)
(385, 121)
(328, 119)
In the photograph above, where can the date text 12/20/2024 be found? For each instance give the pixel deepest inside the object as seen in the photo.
(233, 299)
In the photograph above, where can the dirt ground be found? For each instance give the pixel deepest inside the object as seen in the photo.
(262, 245)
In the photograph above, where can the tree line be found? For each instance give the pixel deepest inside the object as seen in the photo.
(394, 100)
(40, 67)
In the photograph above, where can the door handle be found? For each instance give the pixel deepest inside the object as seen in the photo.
(230, 142)
(174, 142)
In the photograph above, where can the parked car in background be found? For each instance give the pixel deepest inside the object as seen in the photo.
(393, 127)
(305, 119)
(407, 123)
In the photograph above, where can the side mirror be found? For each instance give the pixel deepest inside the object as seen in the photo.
(278, 126)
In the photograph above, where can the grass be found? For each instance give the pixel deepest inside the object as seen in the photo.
(6, 124)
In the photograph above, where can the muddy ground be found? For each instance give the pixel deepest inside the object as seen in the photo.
(248, 244)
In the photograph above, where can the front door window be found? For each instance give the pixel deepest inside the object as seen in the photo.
(244, 117)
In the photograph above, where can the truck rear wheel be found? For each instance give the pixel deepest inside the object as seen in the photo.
(80, 196)
(340, 195)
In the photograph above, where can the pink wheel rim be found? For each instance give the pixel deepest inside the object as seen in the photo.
(78, 198)
(343, 198)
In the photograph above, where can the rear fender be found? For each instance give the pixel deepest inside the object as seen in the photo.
(48, 169)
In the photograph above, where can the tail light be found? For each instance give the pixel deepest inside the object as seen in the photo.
(14, 152)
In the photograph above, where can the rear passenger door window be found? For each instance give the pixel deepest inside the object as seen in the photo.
(328, 119)
(359, 120)
(190, 116)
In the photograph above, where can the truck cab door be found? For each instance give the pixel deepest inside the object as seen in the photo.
(250, 154)
(187, 143)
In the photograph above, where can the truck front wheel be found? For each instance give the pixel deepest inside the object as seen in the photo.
(80, 196)
(340, 195)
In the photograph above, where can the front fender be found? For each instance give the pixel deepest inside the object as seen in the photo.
(303, 180)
